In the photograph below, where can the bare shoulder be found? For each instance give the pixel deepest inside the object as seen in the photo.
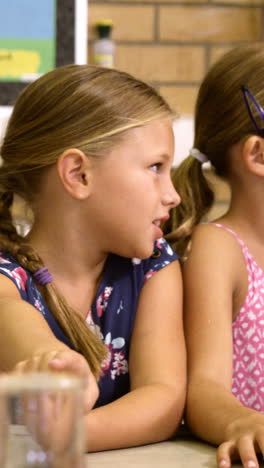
(163, 291)
(165, 285)
(214, 244)
(215, 257)
(171, 270)
(212, 234)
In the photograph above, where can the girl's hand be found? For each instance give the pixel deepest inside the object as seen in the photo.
(67, 361)
(245, 438)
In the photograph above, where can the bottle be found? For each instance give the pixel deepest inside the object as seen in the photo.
(104, 46)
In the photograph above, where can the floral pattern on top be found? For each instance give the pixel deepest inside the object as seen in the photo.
(113, 311)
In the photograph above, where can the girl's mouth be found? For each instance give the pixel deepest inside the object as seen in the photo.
(158, 231)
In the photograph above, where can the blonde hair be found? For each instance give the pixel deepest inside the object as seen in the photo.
(221, 120)
(76, 106)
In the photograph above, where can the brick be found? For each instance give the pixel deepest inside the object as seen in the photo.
(130, 22)
(210, 23)
(240, 2)
(162, 63)
(217, 52)
(181, 98)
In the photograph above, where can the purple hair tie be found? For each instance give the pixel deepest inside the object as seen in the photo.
(43, 276)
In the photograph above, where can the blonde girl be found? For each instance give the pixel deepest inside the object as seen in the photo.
(91, 288)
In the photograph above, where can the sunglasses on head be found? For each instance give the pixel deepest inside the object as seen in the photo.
(251, 103)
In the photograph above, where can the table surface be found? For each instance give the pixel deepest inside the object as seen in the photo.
(179, 453)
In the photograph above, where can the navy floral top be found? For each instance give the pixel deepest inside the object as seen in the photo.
(112, 314)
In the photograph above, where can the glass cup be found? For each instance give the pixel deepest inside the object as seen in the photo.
(41, 421)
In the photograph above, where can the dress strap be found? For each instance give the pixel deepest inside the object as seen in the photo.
(225, 228)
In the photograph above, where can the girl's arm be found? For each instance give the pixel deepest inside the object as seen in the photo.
(152, 410)
(28, 344)
(212, 278)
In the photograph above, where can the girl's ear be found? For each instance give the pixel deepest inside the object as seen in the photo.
(253, 155)
(74, 169)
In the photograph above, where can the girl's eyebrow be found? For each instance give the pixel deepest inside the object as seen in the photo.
(168, 157)
(165, 156)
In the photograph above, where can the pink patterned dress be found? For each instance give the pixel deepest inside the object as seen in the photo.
(248, 336)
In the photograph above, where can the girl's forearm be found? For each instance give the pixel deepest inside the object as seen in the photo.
(212, 410)
(145, 415)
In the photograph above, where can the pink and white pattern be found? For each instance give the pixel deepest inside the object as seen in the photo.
(248, 337)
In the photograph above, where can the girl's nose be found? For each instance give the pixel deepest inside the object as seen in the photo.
(171, 198)
(177, 199)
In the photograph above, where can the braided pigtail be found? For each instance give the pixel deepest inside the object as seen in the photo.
(74, 326)
(84, 340)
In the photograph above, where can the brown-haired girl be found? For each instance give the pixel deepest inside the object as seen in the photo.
(224, 271)
(91, 287)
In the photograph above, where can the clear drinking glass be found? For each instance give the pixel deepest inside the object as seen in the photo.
(41, 421)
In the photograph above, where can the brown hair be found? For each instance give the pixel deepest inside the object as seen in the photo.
(76, 106)
(221, 120)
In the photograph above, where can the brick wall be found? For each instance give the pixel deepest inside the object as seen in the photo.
(171, 43)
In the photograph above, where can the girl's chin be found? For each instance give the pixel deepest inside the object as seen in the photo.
(144, 252)
(140, 250)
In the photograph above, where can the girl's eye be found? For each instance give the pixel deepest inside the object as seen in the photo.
(156, 167)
